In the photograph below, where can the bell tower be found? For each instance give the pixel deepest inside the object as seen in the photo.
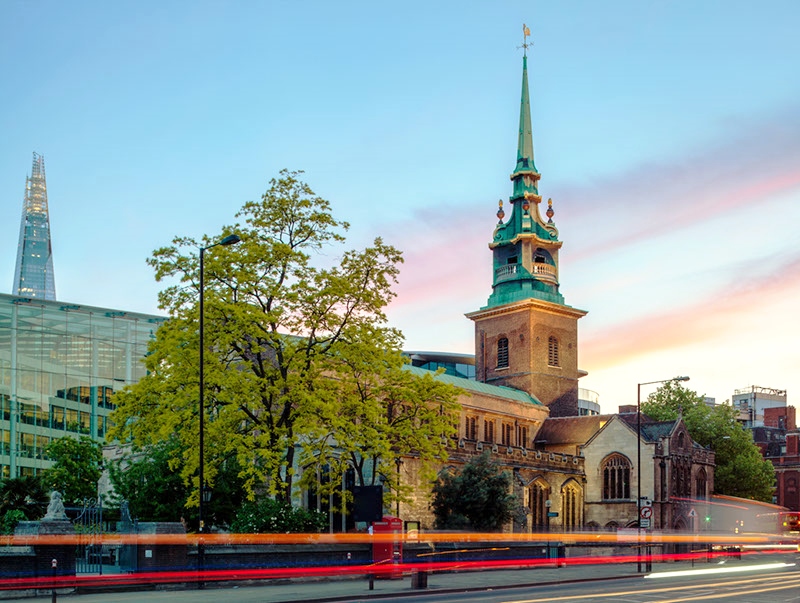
(526, 337)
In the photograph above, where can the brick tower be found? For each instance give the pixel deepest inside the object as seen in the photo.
(526, 337)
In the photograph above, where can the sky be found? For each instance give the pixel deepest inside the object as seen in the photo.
(667, 134)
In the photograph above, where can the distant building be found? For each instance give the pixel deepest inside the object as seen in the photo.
(752, 401)
(33, 276)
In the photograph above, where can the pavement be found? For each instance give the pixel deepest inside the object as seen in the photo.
(352, 589)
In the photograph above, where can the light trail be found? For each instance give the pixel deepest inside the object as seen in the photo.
(793, 583)
(719, 570)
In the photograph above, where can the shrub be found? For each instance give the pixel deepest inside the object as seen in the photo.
(270, 516)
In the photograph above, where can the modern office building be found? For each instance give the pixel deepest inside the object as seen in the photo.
(33, 276)
(59, 365)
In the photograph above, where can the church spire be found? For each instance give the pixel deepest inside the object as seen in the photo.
(525, 143)
(525, 248)
(33, 276)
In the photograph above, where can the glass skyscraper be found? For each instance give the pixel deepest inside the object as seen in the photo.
(33, 276)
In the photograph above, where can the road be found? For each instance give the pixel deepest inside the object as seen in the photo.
(773, 579)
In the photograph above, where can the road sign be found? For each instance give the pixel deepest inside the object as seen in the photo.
(646, 512)
(692, 512)
(552, 514)
(644, 523)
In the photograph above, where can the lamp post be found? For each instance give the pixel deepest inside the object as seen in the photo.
(205, 493)
(639, 460)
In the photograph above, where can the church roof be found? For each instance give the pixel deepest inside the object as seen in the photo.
(480, 388)
(570, 430)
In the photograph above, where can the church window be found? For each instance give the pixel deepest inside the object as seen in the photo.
(508, 434)
(523, 437)
(552, 351)
(512, 260)
(538, 494)
(488, 430)
(571, 505)
(700, 484)
(502, 353)
(616, 478)
(472, 428)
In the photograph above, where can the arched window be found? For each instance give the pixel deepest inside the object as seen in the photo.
(616, 478)
(552, 351)
(472, 428)
(700, 484)
(538, 493)
(502, 353)
(572, 506)
(488, 431)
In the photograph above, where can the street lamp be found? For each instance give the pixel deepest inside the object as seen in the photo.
(205, 493)
(639, 459)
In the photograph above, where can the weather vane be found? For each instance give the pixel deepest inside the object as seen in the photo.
(525, 33)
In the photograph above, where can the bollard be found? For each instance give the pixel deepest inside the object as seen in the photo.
(54, 565)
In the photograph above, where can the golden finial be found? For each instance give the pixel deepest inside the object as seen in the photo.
(500, 213)
(550, 213)
(526, 32)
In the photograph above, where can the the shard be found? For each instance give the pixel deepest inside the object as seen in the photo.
(33, 276)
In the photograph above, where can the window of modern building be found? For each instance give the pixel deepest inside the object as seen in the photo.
(552, 351)
(616, 478)
(502, 353)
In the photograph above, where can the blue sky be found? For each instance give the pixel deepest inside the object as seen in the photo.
(667, 134)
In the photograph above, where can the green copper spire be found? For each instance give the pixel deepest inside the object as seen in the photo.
(525, 248)
(525, 144)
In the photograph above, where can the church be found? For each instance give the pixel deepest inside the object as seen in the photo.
(570, 470)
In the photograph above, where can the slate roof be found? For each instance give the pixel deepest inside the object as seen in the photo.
(570, 430)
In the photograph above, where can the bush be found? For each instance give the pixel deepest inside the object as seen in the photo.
(10, 520)
(269, 516)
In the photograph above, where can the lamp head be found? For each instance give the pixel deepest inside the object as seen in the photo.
(230, 240)
(681, 379)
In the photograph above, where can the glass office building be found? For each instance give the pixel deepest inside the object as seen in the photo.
(59, 365)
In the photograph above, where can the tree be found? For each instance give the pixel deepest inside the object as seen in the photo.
(77, 469)
(374, 411)
(740, 469)
(478, 497)
(150, 481)
(281, 318)
(21, 498)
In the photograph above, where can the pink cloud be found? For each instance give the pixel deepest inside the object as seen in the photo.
(732, 303)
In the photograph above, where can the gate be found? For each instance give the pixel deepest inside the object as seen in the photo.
(89, 537)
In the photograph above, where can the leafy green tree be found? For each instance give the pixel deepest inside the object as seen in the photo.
(77, 469)
(21, 498)
(281, 312)
(478, 497)
(270, 516)
(372, 412)
(150, 481)
(740, 469)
